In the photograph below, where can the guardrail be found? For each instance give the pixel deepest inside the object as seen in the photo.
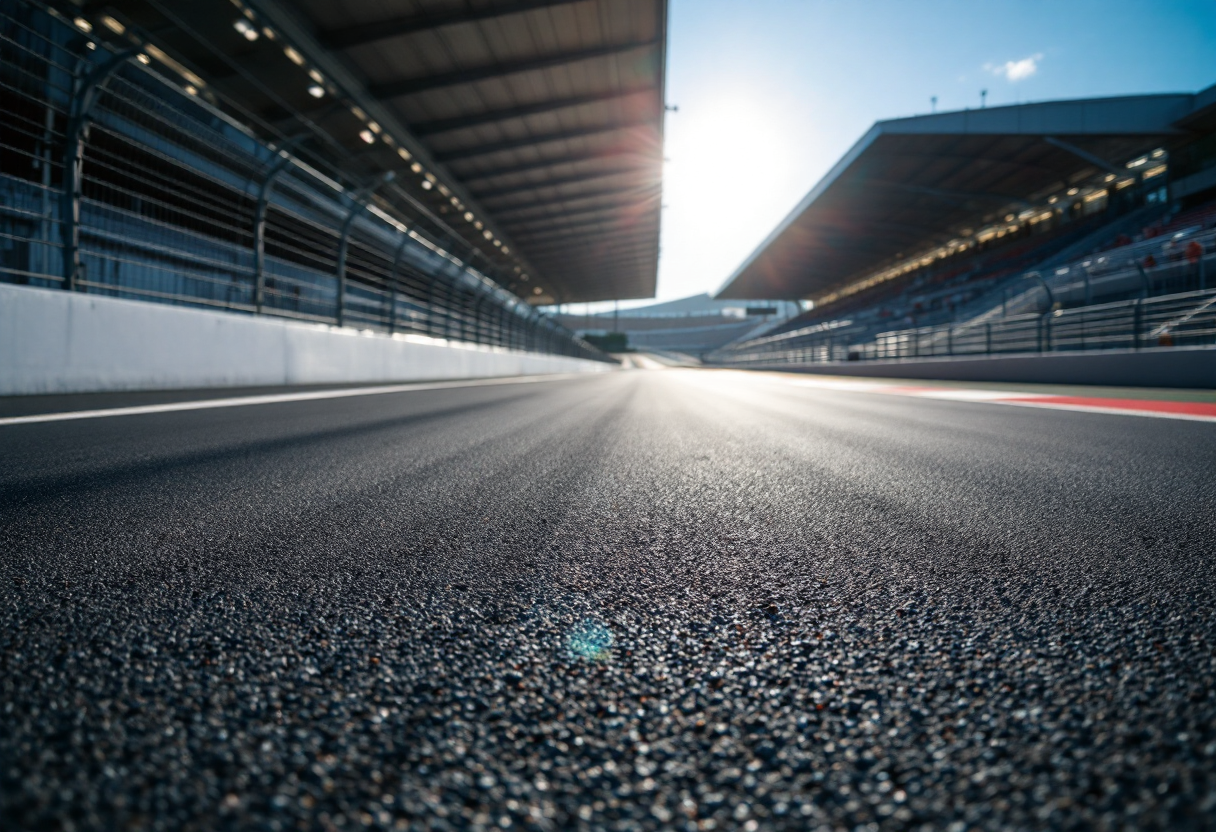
(119, 181)
(1187, 318)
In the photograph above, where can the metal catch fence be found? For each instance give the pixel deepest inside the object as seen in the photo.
(119, 181)
(1183, 319)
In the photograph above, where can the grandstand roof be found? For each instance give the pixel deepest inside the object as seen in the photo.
(912, 183)
(542, 118)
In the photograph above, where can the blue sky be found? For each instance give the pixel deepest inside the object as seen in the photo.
(772, 92)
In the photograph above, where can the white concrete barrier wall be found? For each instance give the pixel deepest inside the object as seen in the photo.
(62, 342)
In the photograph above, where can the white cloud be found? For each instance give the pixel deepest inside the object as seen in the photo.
(1015, 71)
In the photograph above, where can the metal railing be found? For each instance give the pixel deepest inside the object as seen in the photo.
(1183, 319)
(115, 180)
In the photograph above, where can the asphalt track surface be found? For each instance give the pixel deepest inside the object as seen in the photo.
(677, 599)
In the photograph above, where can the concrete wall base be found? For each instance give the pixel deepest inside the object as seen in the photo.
(1189, 367)
(62, 342)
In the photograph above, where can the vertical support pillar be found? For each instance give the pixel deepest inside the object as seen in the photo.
(430, 305)
(392, 284)
(259, 228)
(343, 250)
(83, 98)
(1146, 283)
(359, 203)
(478, 334)
(1137, 321)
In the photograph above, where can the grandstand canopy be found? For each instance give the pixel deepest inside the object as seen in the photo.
(542, 119)
(911, 184)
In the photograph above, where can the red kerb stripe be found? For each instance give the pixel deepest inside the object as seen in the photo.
(1189, 408)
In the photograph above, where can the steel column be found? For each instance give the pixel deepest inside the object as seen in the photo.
(83, 98)
(392, 284)
(259, 227)
(359, 200)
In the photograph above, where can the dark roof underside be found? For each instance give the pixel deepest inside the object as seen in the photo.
(912, 184)
(543, 118)
(549, 113)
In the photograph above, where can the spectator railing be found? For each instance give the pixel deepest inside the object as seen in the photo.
(1184, 319)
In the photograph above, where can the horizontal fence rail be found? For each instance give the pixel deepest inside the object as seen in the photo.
(115, 181)
(1182, 319)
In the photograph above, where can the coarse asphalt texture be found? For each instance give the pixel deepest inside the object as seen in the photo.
(650, 599)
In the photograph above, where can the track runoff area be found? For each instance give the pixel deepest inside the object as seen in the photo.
(666, 599)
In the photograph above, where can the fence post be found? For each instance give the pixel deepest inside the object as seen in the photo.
(988, 338)
(343, 247)
(949, 340)
(392, 284)
(359, 199)
(83, 98)
(1137, 318)
(259, 225)
(1147, 283)
(478, 336)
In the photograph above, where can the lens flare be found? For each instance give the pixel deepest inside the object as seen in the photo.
(590, 640)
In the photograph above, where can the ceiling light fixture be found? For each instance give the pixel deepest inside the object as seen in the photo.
(247, 29)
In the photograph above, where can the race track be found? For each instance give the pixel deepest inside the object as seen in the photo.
(656, 599)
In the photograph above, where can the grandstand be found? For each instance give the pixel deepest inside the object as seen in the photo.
(298, 162)
(692, 326)
(921, 239)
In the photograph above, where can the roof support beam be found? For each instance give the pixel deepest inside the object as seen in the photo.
(444, 125)
(581, 196)
(409, 86)
(576, 250)
(529, 141)
(614, 262)
(561, 208)
(1083, 154)
(564, 262)
(524, 225)
(956, 197)
(588, 233)
(553, 161)
(559, 229)
(612, 250)
(630, 237)
(522, 187)
(365, 33)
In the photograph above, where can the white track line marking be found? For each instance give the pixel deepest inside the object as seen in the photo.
(274, 398)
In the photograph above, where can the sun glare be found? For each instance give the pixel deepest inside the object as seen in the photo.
(727, 182)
